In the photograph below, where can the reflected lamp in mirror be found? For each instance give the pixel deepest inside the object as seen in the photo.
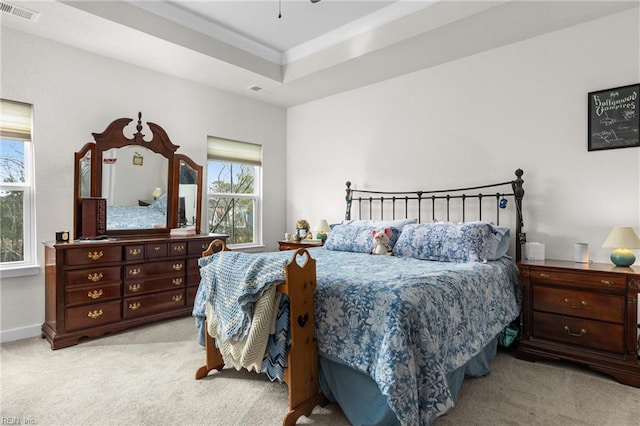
(156, 193)
(622, 239)
(321, 229)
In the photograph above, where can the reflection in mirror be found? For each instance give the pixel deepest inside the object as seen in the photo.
(85, 176)
(187, 195)
(130, 178)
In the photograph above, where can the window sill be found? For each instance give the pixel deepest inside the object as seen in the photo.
(247, 247)
(20, 271)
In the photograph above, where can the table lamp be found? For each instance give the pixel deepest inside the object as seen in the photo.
(321, 228)
(622, 238)
(156, 193)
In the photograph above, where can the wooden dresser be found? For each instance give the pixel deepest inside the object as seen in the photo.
(98, 287)
(586, 313)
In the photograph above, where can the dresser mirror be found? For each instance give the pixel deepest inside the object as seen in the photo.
(147, 187)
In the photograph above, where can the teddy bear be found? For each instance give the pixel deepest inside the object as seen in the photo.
(381, 241)
(302, 230)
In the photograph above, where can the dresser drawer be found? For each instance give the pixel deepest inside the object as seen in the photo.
(191, 295)
(178, 249)
(76, 295)
(596, 306)
(93, 276)
(596, 281)
(92, 315)
(580, 332)
(197, 247)
(153, 303)
(156, 250)
(193, 273)
(92, 255)
(140, 286)
(142, 270)
(134, 252)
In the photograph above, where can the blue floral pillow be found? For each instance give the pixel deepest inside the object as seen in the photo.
(453, 242)
(160, 203)
(356, 238)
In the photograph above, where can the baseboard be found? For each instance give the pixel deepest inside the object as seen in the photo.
(20, 333)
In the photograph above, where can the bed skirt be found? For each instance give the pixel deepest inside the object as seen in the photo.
(361, 401)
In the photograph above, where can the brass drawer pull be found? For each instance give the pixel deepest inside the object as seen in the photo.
(177, 298)
(544, 275)
(95, 294)
(134, 271)
(157, 248)
(95, 314)
(178, 248)
(95, 255)
(568, 330)
(134, 287)
(582, 304)
(135, 251)
(95, 277)
(177, 281)
(134, 306)
(607, 282)
(177, 266)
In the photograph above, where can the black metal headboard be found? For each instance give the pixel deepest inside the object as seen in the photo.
(391, 205)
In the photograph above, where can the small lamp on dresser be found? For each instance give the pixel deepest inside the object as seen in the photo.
(322, 228)
(622, 238)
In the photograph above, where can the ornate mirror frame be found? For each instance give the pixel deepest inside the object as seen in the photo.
(114, 137)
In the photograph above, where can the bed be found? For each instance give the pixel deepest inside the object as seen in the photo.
(153, 215)
(390, 338)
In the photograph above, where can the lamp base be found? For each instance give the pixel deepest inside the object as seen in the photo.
(623, 257)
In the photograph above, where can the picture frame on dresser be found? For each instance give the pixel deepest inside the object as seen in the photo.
(614, 118)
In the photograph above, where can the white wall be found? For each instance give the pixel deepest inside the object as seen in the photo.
(476, 120)
(75, 93)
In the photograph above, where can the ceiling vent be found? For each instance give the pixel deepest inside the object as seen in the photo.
(18, 11)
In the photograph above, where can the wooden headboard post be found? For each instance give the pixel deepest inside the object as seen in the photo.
(446, 195)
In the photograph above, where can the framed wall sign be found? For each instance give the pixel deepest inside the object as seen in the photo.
(614, 118)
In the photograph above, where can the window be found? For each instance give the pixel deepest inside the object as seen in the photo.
(17, 223)
(234, 190)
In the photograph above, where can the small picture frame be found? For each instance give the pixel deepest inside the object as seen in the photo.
(614, 118)
(137, 159)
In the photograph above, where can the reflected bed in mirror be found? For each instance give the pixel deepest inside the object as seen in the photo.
(148, 188)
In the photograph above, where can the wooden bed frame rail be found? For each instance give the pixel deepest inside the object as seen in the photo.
(301, 374)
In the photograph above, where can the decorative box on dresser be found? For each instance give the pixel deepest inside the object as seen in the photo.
(585, 313)
(104, 286)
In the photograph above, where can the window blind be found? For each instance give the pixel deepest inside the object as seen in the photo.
(15, 120)
(234, 151)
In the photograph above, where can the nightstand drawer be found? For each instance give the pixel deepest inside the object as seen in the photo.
(596, 306)
(594, 281)
(580, 332)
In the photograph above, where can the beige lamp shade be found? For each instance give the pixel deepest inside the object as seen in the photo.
(322, 226)
(622, 236)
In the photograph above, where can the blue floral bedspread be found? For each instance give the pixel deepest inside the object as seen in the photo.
(135, 217)
(408, 322)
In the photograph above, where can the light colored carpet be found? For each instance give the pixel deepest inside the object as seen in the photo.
(145, 376)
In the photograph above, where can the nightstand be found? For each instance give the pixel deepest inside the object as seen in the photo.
(585, 313)
(294, 245)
